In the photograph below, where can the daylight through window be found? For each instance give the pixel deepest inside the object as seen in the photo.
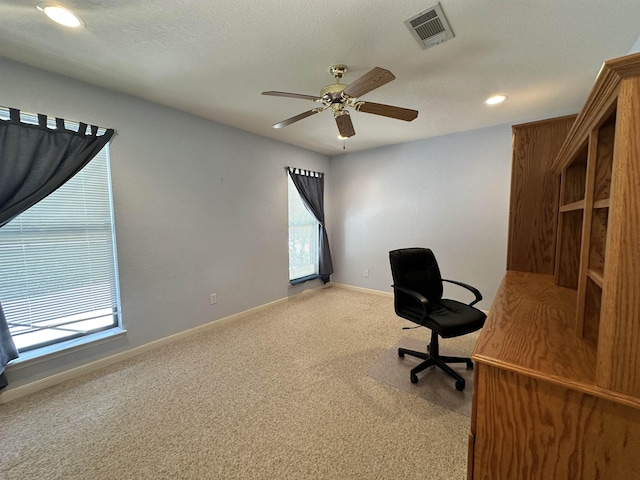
(303, 237)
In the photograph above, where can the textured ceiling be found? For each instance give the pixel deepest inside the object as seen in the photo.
(214, 57)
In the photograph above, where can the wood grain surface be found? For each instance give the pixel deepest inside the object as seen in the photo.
(598, 239)
(619, 336)
(575, 179)
(592, 159)
(529, 429)
(604, 164)
(592, 308)
(534, 195)
(530, 328)
(568, 256)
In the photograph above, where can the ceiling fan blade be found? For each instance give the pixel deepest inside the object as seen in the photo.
(374, 78)
(300, 116)
(390, 111)
(291, 95)
(345, 125)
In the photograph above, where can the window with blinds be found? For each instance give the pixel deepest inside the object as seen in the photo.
(303, 237)
(58, 262)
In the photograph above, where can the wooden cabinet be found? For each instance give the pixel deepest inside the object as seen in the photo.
(557, 390)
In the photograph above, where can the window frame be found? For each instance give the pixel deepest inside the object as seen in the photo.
(292, 193)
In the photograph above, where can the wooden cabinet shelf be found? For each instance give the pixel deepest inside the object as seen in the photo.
(597, 276)
(601, 203)
(570, 207)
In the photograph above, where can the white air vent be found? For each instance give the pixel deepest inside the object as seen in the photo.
(430, 27)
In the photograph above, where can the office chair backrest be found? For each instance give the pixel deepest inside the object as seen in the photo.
(417, 269)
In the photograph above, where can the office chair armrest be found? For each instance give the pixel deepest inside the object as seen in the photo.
(473, 290)
(415, 295)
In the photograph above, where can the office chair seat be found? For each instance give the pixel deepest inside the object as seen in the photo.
(418, 298)
(449, 318)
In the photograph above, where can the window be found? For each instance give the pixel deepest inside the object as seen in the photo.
(58, 262)
(303, 238)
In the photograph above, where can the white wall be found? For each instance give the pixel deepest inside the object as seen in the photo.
(636, 46)
(199, 208)
(449, 193)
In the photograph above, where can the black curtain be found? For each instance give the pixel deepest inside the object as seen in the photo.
(310, 185)
(36, 160)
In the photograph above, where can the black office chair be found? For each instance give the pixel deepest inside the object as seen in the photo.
(417, 286)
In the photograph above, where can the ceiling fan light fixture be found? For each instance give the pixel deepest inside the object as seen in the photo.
(61, 15)
(495, 100)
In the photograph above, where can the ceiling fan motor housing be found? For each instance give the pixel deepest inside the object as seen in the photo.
(334, 90)
(332, 95)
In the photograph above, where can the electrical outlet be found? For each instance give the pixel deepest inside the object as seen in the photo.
(214, 298)
(366, 273)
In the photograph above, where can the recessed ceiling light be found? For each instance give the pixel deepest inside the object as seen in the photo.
(61, 15)
(495, 99)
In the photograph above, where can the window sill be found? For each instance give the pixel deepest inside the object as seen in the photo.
(300, 280)
(61, 349)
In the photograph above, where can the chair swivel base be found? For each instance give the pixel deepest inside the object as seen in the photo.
(438, 361)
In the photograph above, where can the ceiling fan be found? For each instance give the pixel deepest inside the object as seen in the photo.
(338, 96)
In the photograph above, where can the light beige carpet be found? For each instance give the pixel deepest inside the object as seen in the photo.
(433, 384)
(279, 394)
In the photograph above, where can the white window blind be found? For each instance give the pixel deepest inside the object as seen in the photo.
(58, 262)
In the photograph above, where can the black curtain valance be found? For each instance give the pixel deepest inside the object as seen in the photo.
(306, 173)
(35, 160)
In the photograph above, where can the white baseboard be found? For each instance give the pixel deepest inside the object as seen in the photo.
(13, 393)
(378, 292)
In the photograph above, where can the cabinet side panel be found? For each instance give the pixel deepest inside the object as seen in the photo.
(534, 195)
(531, 429)
(619, 335)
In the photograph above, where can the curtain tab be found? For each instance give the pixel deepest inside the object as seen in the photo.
(304, 173)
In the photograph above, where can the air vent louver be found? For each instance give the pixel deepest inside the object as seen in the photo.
(430, 27)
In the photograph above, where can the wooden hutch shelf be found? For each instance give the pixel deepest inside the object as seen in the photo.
(557, 379)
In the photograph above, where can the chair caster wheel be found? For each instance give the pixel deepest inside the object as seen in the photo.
(414, 379)
(469, 365)
(400, 353)
(460, 385)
